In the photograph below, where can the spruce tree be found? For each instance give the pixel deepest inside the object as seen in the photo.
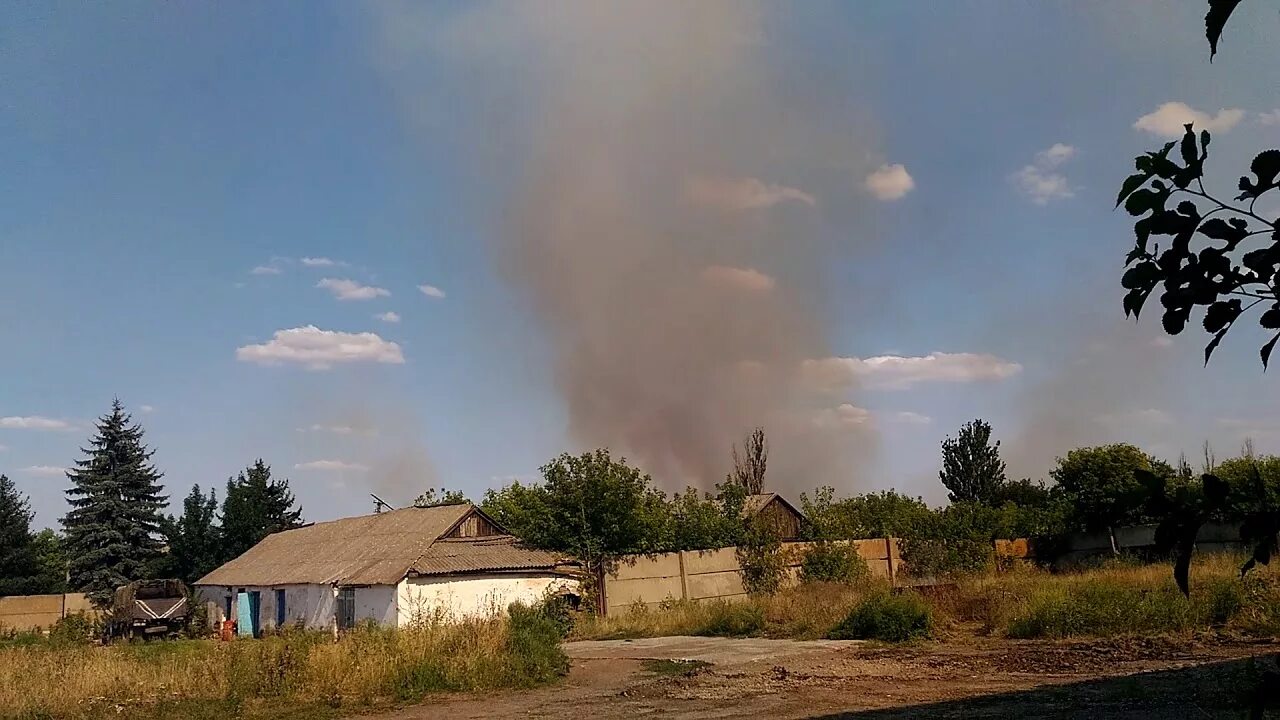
(18, 565)
(116, 498)
(971, 466)
(254, 507)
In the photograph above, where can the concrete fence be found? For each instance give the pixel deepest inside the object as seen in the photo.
(32, 612)
(712, 574)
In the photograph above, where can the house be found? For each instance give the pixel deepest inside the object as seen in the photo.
(394, 568)
(776, 512)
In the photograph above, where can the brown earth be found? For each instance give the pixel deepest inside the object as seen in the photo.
(982, 678)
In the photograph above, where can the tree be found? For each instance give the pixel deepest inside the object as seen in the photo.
(591, 506)
(887, 513)
(116, 498)
(1102, 486)
(254, 507)
(749, 468)
(19, 568)
(701, 521)
(51, 562)
(1209, 259)
(194, 538)
(432, 498)
(972, 470)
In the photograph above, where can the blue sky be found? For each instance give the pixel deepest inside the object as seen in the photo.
(157, 155)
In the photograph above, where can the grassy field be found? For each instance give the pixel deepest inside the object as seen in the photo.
(294, 674)
(1114, 599)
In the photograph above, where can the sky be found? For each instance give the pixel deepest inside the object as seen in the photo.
(387, 247)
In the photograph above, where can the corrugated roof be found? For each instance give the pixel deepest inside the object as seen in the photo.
(460, 555)
(368, 550)
(755, 503)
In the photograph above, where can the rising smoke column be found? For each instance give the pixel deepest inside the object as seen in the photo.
(665, 222)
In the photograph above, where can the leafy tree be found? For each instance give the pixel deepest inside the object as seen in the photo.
(194, 538)
(873, 515)
(749, 468)
(701, 521)
(972, 470)
(433, 498)
(589, 505)
(1101, 485)
(51, 562)
(254, 507)
(759, 557)
(116, 498)
(1025, 493)
(18, 563)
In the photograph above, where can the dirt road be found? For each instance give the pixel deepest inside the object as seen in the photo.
(783, 680)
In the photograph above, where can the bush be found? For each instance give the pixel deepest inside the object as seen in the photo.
(1106, 607)
(534, 642)
(887, 617)
(733, 619)
(74, 629)
(827, 562)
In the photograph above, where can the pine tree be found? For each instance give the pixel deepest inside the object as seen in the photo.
(116, 498)
(18, 563)
(971, 466)
(254, 507)
(194, 538)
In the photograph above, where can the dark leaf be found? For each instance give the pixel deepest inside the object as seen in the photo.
(1219, 229)
(1175, 320)
(1143, 200)
(1131, 183)
(1266, 350)
(1266, 166)
(1182, 559)
(1220, 314)
(1143, 275)
(1204, 141)
(1215, 19)
(1215, 491)
(1133, 301)
(1142, 231)
(1188, 146)
(1271, 318)
(1213, 344)
(1166, 535)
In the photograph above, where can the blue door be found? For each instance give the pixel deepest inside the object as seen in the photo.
(248, 607)
(281, 614)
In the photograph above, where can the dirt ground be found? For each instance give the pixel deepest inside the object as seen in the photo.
(784, 679)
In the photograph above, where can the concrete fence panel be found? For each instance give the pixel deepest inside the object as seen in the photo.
(25, 613)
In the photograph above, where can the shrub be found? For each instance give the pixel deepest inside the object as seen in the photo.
(828, 562)
(887, 617)
(1106, 607)
(74, 629)
(534, 642)
(732, 619)
(759, 555)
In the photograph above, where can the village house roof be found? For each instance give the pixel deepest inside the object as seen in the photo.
(754, 504)
(380, 549)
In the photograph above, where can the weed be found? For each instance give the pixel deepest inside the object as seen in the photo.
(674, 667)
(888, 617)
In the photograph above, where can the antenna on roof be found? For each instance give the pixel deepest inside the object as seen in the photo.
(379, 504)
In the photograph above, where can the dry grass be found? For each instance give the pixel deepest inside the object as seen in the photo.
(1112, 599)
(369, 666)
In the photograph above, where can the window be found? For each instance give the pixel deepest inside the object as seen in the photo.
(281, 613)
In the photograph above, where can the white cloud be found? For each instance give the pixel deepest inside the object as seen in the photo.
(431, 291)
(146, 409)
(331, 466)
(742, 193)
(1040, 181)
(1057, 154)
(1168, 120)
(1269, 118)
(265, 270)
(33, 422)
(43, 470)
(388, 317)
(897, 372)
(907, 417)
(737, 278)
(321, 349)
(351, 290)
(890, 182)
(320, 262)
(844, 416)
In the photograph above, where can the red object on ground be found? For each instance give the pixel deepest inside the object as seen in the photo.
(228, 630)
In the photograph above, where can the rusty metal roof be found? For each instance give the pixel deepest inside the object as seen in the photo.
(461, 555)
(371, 550)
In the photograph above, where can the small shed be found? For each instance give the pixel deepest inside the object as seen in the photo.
(394, 568)
(776, 512)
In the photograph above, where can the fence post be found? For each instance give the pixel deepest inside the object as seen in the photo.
(888, 558)
(684, 578)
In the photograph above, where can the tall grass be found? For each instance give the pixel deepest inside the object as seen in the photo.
(1117, 597)
(368, 666)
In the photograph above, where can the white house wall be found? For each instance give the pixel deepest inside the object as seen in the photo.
(376, 603)
(455, 598)
(313, 605)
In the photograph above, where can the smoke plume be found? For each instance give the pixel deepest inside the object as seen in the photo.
(668, 185)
